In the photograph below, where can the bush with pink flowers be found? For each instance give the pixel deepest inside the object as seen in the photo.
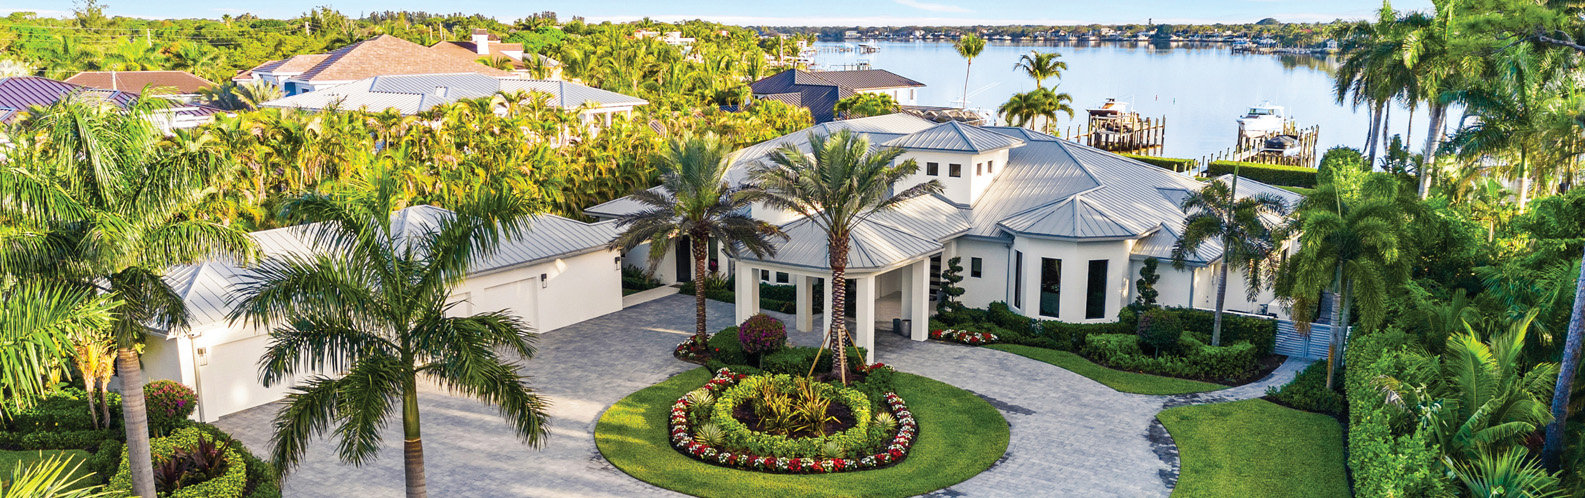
(761, 334)
(169, 403)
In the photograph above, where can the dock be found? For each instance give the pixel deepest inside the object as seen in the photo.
(1143, 136)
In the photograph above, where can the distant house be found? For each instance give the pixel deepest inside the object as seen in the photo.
(819, 91)
(382, 55)
(181, 85)
(19, 93)
(484, 45)
(413, 93)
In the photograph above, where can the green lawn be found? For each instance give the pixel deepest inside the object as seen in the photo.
(1256, 448)
(1128, 382)
(10, 459)
(960, 435)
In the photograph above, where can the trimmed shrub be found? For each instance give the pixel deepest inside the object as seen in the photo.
(1385, 459)
(169, 404)
(855, 440)
(1339, 158)
(264, 481)
(1308, 392)
(1194, 360)
(1160, 329)
(761, 334)
(88, 439)
(232, 484)
(1260, 332)
(61, 410)
(105, 460)
(1293, 176)
(1003, 316)
(1175, 164)
(724, 347)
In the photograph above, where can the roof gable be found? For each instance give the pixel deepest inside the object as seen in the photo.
(954, 136)
(389, 55)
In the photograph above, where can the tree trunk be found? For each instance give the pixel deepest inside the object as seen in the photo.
(1337, 319)
(1375, 133)
(1524, 181)
(1433, 139)
(135, 418)
(1552, 451)
(88, 395)
(700, 247)
(1384, 135)
(1221, 298)
(412, 443)
(966, 71)
(839, 307)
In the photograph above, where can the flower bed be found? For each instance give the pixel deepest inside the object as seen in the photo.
(964, 337)
(692, 351)
(726, 387)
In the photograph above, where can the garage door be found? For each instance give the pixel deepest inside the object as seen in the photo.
(516, 298)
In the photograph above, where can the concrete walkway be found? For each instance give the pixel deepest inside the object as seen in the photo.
(1071, 436)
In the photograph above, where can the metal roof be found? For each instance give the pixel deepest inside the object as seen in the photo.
(954, 136)
(207, 288)
(871, 246)
(414, 93)
(1077, 217)
(820, 91)
(18, 93)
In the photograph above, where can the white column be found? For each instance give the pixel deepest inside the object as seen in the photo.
(864, 308)
(745, 277)
(921, 301)
(905, 278)
(753, 295)
(806, 303)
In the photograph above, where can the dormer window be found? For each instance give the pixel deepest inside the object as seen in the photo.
(979, 169)
(955, 170)
(933, 169)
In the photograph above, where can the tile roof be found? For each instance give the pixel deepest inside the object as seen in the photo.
(954, 136)
(414, 93)
(135, 81)
(18, 93)
(389, 55)
(207, 288)
(468, 51)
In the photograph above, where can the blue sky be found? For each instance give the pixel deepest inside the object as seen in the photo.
(783, 12)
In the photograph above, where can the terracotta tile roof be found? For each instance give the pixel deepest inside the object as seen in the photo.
(135, 81)
(466, 50)
(389, 55)
(294, 64)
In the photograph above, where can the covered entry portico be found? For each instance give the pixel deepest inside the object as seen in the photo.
(888, 271)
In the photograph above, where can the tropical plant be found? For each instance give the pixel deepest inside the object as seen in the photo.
(1510, 473)
(1351, 244)
(1041, 66)
(1519, 116)
(1040, 104)
(1373, 71)
(50, 478)
(131, 191)
(37, 320)
(968, 46)
(1552, 451)
(866, 104)
(374, 301)
(694, 201)
(837, 187)
(1243, 226)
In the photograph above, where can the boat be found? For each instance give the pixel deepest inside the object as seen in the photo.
(1262, 120)
(1284, 145)
(1113, 117)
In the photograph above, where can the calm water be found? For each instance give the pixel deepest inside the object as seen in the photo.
(1200, 91)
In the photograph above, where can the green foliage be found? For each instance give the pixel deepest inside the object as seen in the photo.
(1387, 460)
(169, 403)
(107, 458)
(1293, 176)
(1160, 329)
(1003, 316)
(780, 397)
(1174, 164)
(52, 439)
(636, 279)
(60, 410)
(1260, 332)
(866, 104)
(724, 347)
(1308, 392)
(1146, 285)
(1339, 158)
(1193, 360)
(233, 483)
(1128, 382)
(761, 334)
(60, 475)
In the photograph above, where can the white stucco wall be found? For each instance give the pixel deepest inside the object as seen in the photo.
(996, 265)
(574, 289)
(964, 189)
(1075, 257)
(903, 95)
(1176, 286)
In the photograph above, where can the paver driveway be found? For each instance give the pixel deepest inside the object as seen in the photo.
(1070, 435)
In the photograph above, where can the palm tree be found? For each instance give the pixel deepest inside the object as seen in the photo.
(375, 301)
(697, 203)
(968, 46)
(838, 187)
(1349, 243)
(1517, 115)
(1552, 451)
(1373, 71)
(1041, 66)
(50, 478)
(134, 191)
(1241, 226)
(1042, 104)
(37, 320)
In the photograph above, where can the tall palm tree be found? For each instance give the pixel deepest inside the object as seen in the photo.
(134, 190)
(1041, 104)
(375, 301)
(1243, 226)
(839, 186)
(1041, 65)
(37, 320)
(1552, 451)
(697, 203)
(1373, 71)
(1348, 243)
(1517, 115)
(968, 46)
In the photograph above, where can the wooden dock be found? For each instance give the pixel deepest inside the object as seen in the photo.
(1248, 149)
(1145, 137)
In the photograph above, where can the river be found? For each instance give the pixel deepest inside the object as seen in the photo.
(1201, 91)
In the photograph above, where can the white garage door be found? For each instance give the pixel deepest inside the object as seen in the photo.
(516, 298)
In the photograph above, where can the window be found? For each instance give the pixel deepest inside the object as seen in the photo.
(781, 277)
(974, 267)
(990, 167)
(1018, 280)
(933, 169)
(1050, 287)
(764, 274)
(979, 169)
(1095, 290)
(955, 170)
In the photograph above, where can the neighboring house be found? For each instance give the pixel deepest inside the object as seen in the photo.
(19, 93)
(181, 86)
(819, 91)
(669, 37)
(382, 55)
(559, 272)
(414, 93)
(1055, 229)
(483, 45)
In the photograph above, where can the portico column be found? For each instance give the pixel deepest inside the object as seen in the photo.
(905, 285)
(864, 308)
(743, 279)
(806, 303)
(920, 311)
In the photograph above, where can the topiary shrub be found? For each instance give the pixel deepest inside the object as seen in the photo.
(1160, 330)
(169, 403)
(1146, 285)
(761, 334)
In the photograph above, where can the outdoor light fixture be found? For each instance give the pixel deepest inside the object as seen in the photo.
(544, 280)
(203, 356)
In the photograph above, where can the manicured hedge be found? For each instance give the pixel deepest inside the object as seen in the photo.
(858, 439)
(1193, 359)
(232, 484)
(1175, 164)
(1385, 460)
(1293, 176)
(1261, 332)
(62, 410)
(1308, 392)
(87, 439)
